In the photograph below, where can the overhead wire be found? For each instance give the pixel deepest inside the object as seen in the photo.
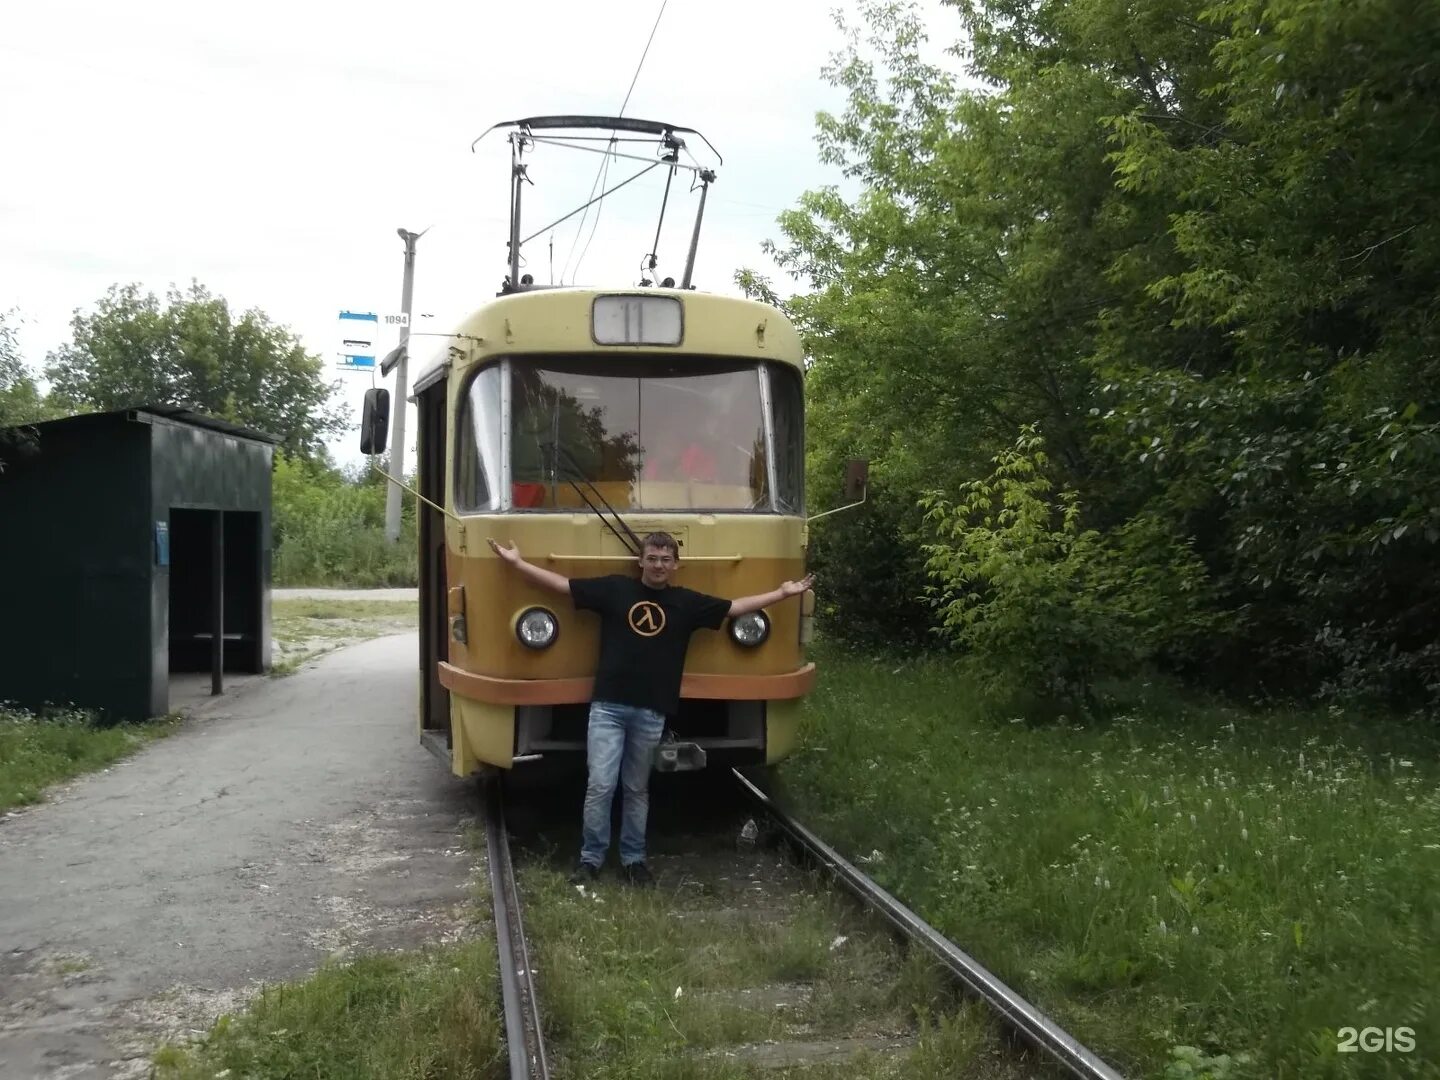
(581, 227)
(635, 78)
(605, 166)
(605, 162)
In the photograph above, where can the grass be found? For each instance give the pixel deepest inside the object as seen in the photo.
(1180, 885)
(305, 628)
(399, 1016)
(631, 991)
(1193, 890)
(37, 751)
(344, 552)
(326, 609)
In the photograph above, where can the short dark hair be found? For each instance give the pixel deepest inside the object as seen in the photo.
(662, 540)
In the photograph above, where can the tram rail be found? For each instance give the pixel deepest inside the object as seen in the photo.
(1020, 1015)
(524, 1034)
(524, 1031)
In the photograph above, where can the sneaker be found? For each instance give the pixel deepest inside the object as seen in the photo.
(638, 874)
(584, 874)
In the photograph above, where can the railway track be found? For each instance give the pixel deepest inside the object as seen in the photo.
(525, 1029)
(1024, 1018)
(524, 1032)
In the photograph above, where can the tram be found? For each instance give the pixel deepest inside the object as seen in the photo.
(572, 422)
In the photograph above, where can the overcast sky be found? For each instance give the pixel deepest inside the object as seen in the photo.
(270, 150)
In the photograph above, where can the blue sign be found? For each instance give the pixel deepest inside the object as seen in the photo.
(359, 331)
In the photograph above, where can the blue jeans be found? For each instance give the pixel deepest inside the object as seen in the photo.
(620, 747)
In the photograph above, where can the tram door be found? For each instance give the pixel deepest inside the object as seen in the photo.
(434, 629)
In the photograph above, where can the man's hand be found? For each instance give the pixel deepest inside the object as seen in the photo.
(747, 604)
(795, 588)
(547, 579)
(510, 554)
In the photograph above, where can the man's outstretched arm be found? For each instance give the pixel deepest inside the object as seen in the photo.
(547, 579)
(747, 604)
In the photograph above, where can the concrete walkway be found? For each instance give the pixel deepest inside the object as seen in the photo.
(289, 821)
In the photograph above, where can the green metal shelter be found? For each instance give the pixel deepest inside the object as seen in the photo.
(134, 546)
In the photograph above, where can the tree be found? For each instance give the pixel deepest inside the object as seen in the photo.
(1196, 243)
(1306, 250)
(193, 353)
(21, 401)
(955, 300)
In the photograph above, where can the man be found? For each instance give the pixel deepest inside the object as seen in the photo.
(645, 629)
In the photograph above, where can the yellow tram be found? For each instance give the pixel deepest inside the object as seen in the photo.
(573, 421)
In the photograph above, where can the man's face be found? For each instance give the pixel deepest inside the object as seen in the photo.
(657, 566)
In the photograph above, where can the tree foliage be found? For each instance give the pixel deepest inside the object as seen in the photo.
(1307, 252)
(1045, 603)
(192, 352)
(329, 527)
(1197, 244)
(21, 400)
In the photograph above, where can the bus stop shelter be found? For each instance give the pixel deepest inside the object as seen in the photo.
(136, 547)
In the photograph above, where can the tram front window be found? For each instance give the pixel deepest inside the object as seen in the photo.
(649, 435)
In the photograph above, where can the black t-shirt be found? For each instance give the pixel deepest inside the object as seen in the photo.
(644, 633)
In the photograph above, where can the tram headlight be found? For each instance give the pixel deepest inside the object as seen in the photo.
(537, 628)
(750, 630)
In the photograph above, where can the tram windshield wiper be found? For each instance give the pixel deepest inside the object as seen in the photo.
(574, 474)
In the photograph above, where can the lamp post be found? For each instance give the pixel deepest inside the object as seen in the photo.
(402, 388)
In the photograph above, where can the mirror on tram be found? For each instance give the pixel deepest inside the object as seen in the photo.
(375, 421)
(857, 476)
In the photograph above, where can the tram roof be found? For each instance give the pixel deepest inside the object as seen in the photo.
(558, 320)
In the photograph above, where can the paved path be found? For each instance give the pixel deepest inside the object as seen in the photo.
(294, 820)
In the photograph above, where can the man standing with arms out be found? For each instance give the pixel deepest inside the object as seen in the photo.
(645, 629)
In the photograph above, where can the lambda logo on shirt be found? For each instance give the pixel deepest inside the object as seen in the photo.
(646, 618)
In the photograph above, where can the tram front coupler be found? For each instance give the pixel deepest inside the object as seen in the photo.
(672, 755)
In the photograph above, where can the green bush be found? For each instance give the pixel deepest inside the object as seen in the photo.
(870, 576)
(329, 528)
(1045, 604)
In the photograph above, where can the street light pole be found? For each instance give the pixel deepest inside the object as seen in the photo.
(402, 393)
